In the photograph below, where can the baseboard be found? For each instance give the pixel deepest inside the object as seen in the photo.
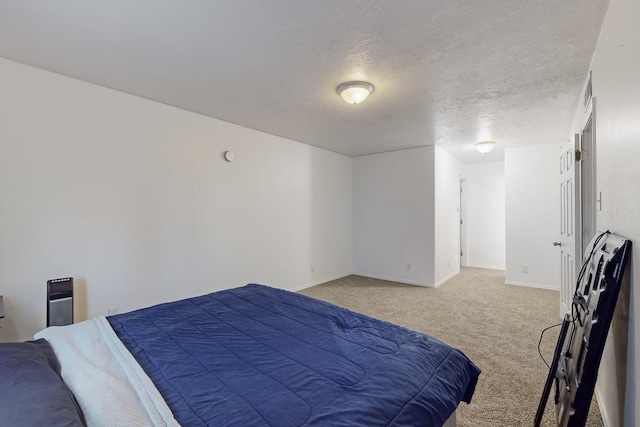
(320, 281)
(387, 278)
(485, 267)
(440, 282)
(394, 279)
(603, 410)
(531, 285)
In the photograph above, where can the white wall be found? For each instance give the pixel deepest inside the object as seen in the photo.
(616, 87)
(407, 212)
(532, 215)
(134, 200)
(448, 172)
(393, 216)
(485, 215)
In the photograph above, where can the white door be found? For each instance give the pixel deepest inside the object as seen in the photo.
(569, 222)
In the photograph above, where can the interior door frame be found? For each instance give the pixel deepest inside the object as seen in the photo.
(463, 222)
(588, 197)
(586, 201)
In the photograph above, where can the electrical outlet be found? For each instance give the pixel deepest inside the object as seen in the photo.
(112, 311)
(408, 267)
(312, 269)
(525, 268)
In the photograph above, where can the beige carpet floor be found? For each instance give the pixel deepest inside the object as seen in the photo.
(496, 325)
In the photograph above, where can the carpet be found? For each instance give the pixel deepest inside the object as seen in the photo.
(497, 326)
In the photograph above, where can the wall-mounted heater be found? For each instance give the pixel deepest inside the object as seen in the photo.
(60, 302)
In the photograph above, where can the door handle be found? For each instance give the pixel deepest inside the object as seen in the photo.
(557, 244)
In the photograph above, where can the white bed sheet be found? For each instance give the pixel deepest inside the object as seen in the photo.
(109, 385)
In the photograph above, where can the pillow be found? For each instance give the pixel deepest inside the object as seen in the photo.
(32, 392)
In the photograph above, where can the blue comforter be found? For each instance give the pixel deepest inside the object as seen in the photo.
(259, 356)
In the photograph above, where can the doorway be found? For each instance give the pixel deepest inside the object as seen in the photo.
(588, 179)
(577, 204)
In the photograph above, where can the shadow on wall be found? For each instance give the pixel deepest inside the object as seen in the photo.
(80, 299)
(619, 335)
(8, 330)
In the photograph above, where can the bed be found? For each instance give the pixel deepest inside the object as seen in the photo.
(253, 356)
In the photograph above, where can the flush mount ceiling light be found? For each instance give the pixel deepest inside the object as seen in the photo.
(485, 146)
(355, 92)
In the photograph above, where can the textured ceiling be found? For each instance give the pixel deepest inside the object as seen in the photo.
(446, 72)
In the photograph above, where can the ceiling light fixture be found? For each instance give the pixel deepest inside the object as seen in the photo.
(485, 146)
(355, 92)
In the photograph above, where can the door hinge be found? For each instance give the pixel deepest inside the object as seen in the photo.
(578, 155)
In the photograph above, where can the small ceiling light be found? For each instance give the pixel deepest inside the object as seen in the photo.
(355, 92)
(485, 146)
